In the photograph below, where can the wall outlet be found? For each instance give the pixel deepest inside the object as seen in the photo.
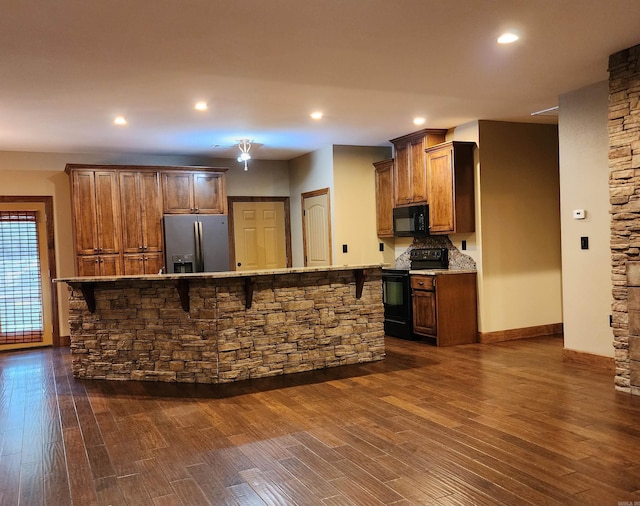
(344, 248)
(463, 245)
(381, 246)
(584, 243)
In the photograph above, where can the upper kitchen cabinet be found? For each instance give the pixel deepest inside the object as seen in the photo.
(96, 216)
(450, 189)
(409, 175)
(384, 197)
(194, 192)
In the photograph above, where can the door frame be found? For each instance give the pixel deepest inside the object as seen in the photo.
(306, 195)
(287, 224)
(47, 201)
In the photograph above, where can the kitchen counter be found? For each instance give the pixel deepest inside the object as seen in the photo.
(220, 327)
(438, 272)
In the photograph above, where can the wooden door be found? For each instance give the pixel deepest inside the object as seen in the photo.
(402, 175)
(259, 235)
(131, 208)
(424, 312)
(107, 212)
(26, 298)
(418, 170)
(84, 212)
(208, 193)
(441, 190)
(384, 198)
(316, 228)
(177, 192)
(151, 212)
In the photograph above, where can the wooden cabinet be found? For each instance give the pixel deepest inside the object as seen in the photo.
(410, 177)
(96, 216)
(384, 197)
(143, 263)
(117, 212)
(141, 206)
(450, 171)
(445, 308)
(99, 265)
(194, 192)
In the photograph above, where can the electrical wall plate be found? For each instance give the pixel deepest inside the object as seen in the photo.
(579, 214)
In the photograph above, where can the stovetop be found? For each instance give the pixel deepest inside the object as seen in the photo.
(429, 258)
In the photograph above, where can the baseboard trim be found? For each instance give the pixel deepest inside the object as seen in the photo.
(523, 333)
(63, 341)
(590, 359)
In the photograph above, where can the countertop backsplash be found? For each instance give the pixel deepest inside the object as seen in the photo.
(457, 259)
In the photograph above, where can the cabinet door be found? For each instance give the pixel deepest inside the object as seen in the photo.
(99, 265)
(84, 212)
(418, 170)
(151, 213)
(133, 264)
(402, 175)
(130, 204)
(441, 190)
(153, 263)
(384, 198)
(110, 265)
(424, 313)
(208, 193)
(177, 192)
(88, 265)
(107, 212)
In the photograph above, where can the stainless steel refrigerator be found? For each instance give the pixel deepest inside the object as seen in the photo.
(196, 243)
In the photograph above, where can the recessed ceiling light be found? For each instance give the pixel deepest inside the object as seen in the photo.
(418, 121)
(201, 106)
(507, 38)
(317, 115)
(119, 120)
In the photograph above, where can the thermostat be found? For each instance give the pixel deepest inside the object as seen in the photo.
(579, 214)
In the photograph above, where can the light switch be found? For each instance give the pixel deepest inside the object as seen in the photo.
(579, 214)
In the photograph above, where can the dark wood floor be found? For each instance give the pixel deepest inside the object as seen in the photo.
(506, 423)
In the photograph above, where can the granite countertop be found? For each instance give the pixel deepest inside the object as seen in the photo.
(438, 272)
(214, 275)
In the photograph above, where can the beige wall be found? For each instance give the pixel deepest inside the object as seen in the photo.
(309, 172)
(584, 173)
(354, 205)
(42, 174)
(520, 226)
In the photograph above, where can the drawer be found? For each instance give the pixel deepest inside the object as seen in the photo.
(423, 282)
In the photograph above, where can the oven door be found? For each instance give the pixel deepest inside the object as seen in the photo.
(396, 296)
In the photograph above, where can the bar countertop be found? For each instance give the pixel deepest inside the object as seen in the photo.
(214, 275)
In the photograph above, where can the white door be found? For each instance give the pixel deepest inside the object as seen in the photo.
(259, 235)
(316, 227)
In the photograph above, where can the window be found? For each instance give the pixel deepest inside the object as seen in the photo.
(21, 318)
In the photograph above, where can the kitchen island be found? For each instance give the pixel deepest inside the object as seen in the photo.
(221, 327)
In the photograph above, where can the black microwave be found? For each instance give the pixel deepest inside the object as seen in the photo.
(411, 221)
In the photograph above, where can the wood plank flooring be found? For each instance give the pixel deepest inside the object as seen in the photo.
(483, 424)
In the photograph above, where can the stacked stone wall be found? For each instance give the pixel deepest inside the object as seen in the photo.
(297, 322)
(624, 192)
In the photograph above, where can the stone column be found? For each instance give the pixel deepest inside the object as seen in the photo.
(624, 193)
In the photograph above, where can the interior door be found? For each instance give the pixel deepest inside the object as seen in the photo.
(316, 228)
(259, 235)
(26, 317)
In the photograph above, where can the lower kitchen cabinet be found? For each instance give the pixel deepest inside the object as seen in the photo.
(143, 263)
(99, 265)
(445, 307)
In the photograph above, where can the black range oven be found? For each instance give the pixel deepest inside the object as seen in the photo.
(396, 290)
(396, 297)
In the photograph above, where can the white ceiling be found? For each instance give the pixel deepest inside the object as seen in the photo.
(67, 67)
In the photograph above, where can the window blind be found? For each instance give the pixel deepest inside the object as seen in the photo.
(21, 319)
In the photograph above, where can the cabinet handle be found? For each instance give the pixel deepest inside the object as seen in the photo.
(140, 248)
(420, 283)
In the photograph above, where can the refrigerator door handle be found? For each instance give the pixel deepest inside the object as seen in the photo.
(199, 267)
